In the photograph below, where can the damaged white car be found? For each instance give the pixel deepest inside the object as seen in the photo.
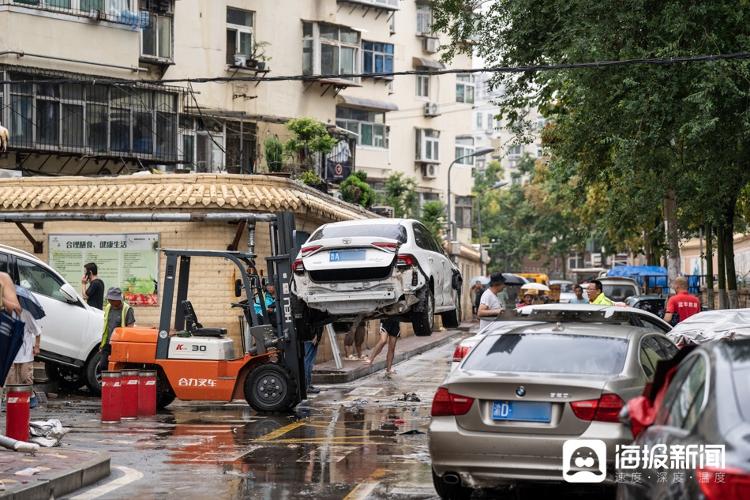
(350, 271)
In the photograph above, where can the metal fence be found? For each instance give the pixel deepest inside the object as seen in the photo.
(114, 11)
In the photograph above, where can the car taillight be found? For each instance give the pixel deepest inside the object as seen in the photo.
(405, 260)
(605, 409)
(724, 484)
(305, 251)
(298, 267)
(460, 352)
(445, 404)
(384, 245)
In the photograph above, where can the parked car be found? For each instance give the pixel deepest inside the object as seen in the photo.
(705, 402)
(72, 330)
(502, 416)
(619, 289)
(712, 325)
(655, 304)
(566, 290)
(354, 270)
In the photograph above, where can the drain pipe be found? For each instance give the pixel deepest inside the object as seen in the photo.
(251, 218)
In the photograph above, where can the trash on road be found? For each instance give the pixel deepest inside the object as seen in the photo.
(15, 445)
(47, 433)
(410, 396)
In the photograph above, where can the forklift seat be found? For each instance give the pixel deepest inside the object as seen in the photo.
(194, 328)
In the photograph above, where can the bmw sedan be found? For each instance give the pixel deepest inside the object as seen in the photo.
(503, 416)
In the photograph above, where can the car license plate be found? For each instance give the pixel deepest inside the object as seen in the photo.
(521, 411)
(346, 255)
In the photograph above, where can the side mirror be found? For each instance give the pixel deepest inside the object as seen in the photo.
(238, 288)
(69, 293)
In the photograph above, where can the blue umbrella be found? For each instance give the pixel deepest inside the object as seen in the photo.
(11, 340)
(29, 302)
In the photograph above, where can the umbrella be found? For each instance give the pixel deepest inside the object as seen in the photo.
(513, 279)
(535, 286)
(482, 280)
(11, 340)
(29, 302)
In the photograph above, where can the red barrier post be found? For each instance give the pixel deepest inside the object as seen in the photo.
(129, 394)
(17, 418)
(147, 393)
(111, 397)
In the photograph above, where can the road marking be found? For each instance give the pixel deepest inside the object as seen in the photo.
(281, 431)
(363, 490)
(128, 476)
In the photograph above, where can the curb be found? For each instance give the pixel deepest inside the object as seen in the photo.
(63, 482)
(340, 377)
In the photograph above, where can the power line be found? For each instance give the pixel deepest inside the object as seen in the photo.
(336, 78)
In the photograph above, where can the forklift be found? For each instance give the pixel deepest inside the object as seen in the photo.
(197, 363)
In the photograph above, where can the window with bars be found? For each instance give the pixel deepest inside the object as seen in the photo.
(115, 11)
(329, 49)
(369, 126)
(463, 211)
(465, 88)
(377, 57)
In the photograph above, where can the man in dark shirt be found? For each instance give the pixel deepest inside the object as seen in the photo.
(92, 288)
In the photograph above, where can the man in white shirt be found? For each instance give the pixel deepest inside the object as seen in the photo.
(22, 371)
(490, 306)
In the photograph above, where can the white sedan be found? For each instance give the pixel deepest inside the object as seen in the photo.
(355, 270)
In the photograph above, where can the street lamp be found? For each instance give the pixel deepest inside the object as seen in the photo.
(496, 185)
(478, 152)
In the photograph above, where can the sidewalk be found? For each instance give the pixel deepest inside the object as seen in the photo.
(327, 373)
(50, 473)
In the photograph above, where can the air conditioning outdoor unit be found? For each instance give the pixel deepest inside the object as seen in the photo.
(431, 44)
(429, 171)
(384, 210)
(431, 109)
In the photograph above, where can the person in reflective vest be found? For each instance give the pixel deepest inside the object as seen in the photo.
(117, 313)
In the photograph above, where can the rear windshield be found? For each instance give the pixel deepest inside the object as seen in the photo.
(618, 292)
(549, 353)
(391, 231)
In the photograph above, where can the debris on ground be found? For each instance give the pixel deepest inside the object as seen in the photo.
(47, 433)
(412, 432)
(410, 397)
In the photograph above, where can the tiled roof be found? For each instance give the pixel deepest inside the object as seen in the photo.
(259, 193)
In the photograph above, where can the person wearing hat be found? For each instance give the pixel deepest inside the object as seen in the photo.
(117, 313)
(528, 299)
(489, 305)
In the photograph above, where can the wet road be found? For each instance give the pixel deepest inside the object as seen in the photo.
(351, 441)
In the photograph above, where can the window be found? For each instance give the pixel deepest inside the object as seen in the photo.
(539, 151)
(515, 151)
(464, 147)
(650, 354)
(491, 123)
(424, 19)
(465, 88)
(156, 38)
(4, 266)
(683, 403)
(423, 86)
(39, 280)
(480, 121)
(368, 125)
(239, 34)
(428, 145)
(425, 197)
(377, 57)
(328, 49)
(423, 238)
(203, 144)
(463, 211)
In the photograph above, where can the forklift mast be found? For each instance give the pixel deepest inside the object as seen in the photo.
(279, 265)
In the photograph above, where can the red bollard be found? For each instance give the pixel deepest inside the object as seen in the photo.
(111, 397)
(147, 393)
(17, 419)
(129, 394)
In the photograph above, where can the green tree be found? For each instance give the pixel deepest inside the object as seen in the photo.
(310, 137)
(355, 189)
(401, 194)
(274, 151)
(433, 218)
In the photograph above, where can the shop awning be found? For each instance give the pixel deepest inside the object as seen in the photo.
(373, 104)
(423, 62)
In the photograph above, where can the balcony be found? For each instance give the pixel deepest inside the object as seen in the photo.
(378, 4)
(121, 12)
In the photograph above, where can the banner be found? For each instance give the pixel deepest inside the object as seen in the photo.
(127, 261)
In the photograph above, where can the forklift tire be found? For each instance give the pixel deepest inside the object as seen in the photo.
(269, 388)
(164, 393)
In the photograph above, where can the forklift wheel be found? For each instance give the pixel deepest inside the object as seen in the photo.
(164, 393)
(269, 388)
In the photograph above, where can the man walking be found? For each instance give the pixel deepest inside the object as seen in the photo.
(682, 303)
(596, 294)
(390, 331)
(117, 313)
(353, 342)
(92, 288)
(311, 351)
(580, 299)
(22, 371)
(489, 305)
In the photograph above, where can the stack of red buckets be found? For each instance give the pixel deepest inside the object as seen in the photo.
(128, 394)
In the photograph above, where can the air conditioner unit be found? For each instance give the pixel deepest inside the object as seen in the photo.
(431, 45)
(429, 171)
(431, 109)
(240, 60)
(383, 210)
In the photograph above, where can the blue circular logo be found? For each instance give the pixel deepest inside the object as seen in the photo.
(521, 391)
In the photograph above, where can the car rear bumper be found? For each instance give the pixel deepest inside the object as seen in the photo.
(487, 460)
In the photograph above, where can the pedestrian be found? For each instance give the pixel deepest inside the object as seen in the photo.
(596, 294)
(478, 290)
(527, 300)
(390, 331)
(311, 351)
(9, 301)
(92, 288)
(117, 313)
(580, 299)
(682, 304)
(22, 370)
(490, 306)
(355, 338)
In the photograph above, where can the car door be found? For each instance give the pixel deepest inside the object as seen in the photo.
(447, 272)
(65, 325)
(428, 259)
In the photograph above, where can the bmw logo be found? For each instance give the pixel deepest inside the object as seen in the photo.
(520, 391)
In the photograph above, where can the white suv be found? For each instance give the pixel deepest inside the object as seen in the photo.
(71, 329)
(354, 270)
